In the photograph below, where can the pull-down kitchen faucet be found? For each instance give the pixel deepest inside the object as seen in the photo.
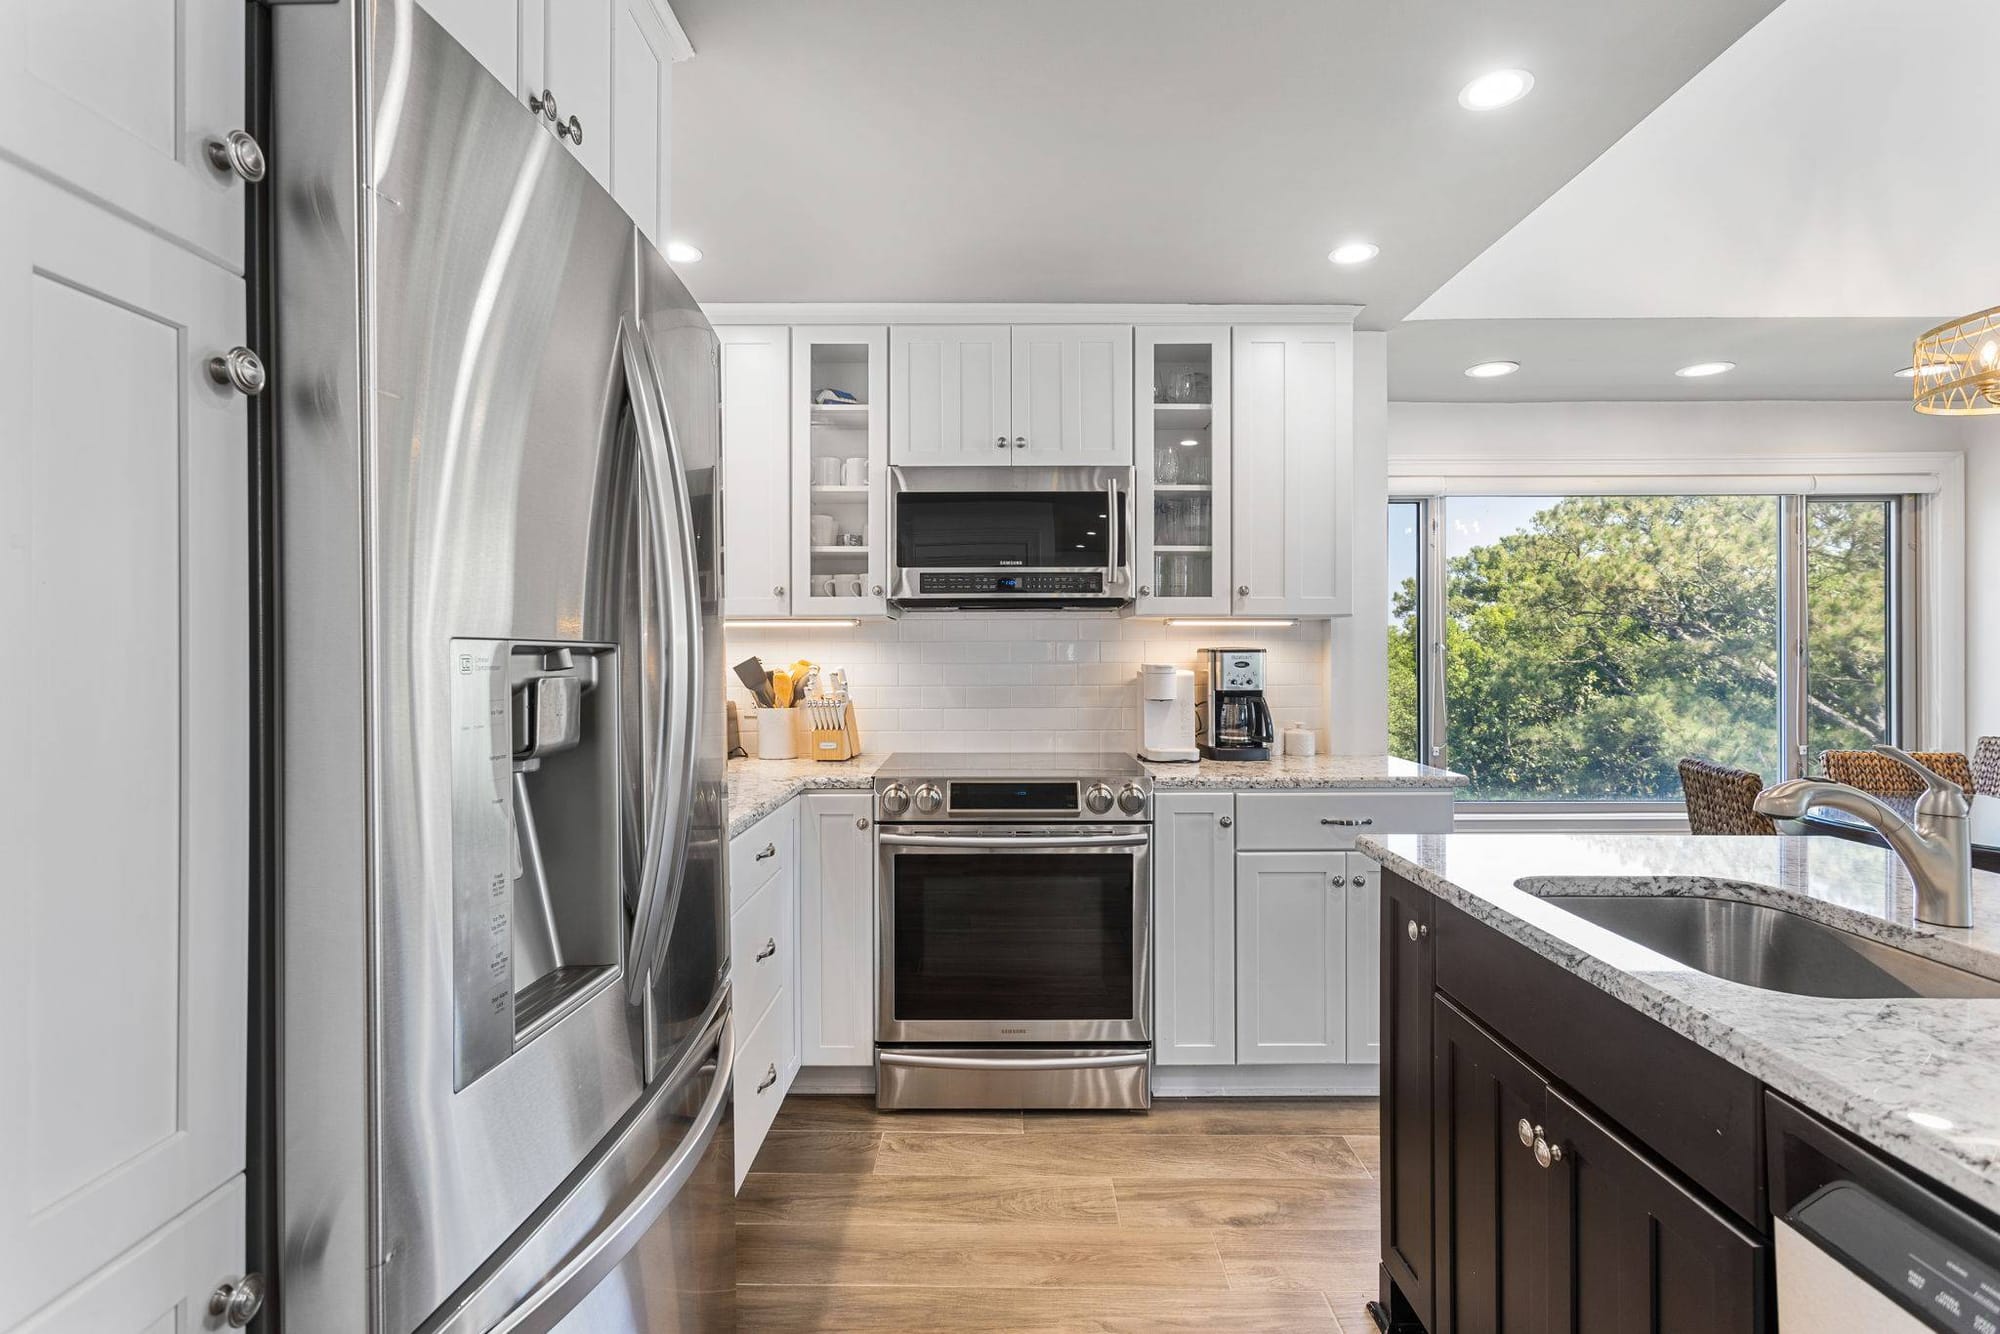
(1937, 848)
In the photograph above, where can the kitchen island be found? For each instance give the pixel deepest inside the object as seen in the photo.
(1653, 1094)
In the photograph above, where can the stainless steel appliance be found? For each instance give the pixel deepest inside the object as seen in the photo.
(505, 1063)
(1015, 911)
(994, 538)
(1231, 717)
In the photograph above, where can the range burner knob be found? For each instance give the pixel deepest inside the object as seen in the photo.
(929, 800)
(895, 800)
(1132, 799)
(1097, 800)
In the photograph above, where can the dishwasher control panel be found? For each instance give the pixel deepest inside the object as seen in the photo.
(1935, 1280)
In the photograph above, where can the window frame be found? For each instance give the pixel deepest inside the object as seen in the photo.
(1905, 551)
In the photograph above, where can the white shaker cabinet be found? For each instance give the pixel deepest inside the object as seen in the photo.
(643, 51)
(1194, 928)
(840, 477)
(951, 395)
(1072, 399)
(489, 29)
(124, 558)
(1180, 509)
(1293, 470)
(837, 929)
(1291, 958)
(1364, 960)
(756, 470)
(566, 51)
(120, 99)
(764, 973)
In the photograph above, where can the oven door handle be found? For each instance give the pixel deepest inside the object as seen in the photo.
(1016, 842)
(1113, 1061)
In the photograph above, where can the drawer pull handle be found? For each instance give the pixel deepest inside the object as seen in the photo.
(770, 1078)
(1348, 824)
(770, 948)
(770, 850)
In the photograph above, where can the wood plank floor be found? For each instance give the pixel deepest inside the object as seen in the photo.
(1202, 1215)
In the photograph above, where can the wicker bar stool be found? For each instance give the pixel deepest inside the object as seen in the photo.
(1719, 799)
(1986, 766)
(1884, 777)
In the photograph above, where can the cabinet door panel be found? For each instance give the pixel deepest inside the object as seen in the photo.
(119, 99)
(851, 581)
(162, 1285)
(123, 562)
(1364, 913)
(1635, 1252)
(490, 31)
(1072, 401)
(1293, 470)
(951, 395)
(1492, 1198)
(756, 471)
(1194, 931)
(641, 112)
(566, 49)
(1407, 983)
(1181, 453)
(1291, 953)
(837, 930)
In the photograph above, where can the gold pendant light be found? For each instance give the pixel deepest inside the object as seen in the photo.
(1956, 367)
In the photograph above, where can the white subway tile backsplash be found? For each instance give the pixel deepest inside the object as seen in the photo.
(1003, 681)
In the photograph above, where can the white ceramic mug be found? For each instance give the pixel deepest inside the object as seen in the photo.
(823, 530)
(822, 585)
(853, 585)
(826, 471)
(854, 472)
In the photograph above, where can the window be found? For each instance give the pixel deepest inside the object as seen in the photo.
(1584, 644)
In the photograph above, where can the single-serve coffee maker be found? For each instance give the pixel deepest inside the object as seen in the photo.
(1232, 721)
(1166, 712)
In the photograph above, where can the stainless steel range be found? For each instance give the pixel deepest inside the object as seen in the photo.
(1015, 920)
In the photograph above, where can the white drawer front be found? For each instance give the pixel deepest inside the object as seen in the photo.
(1331, 821)
(763, 947)
(759, 853)
(763, 1074)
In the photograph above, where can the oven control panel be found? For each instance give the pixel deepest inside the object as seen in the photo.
(936, 794)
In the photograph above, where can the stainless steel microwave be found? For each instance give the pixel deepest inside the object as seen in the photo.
(990, 538)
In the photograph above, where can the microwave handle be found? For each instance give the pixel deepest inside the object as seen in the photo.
(1114, 575)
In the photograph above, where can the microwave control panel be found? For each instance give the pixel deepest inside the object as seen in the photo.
(1033, 585)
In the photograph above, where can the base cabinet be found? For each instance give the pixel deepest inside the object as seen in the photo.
(1291, 957)
(1194, 928)
(837, 929)
(1407, 977)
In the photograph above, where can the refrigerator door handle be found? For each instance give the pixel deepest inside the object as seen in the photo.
(544, 1308)
(663, 866)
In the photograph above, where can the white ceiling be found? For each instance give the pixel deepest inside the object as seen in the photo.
(1833, 163)
(1143, 150)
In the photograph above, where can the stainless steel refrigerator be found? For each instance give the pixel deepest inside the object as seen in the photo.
(503, 1076)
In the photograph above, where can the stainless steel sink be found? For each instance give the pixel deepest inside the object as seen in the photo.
(1762, 946)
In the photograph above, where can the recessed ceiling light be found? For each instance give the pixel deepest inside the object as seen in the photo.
(1502, 87)
(1189, 444)
(680, 252)
(1492, 370)
(1703, 369)
(1929, 370)
(1354, 252)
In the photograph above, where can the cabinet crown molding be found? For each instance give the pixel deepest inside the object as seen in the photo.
(959, 312)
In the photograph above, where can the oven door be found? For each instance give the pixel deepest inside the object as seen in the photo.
(1013, 934)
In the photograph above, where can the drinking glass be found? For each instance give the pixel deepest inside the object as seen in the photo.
(1167, 464)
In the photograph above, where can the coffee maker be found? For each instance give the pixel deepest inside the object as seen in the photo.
(1231, 719)
(1166, 712)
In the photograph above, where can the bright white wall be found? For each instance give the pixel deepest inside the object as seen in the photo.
(1357, 660)
(1700, 439)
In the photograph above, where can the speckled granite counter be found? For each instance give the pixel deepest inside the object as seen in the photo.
(1305, 773)
(758, 787)
(1920, 1079)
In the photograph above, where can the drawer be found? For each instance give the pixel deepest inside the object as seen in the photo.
(1331, 821)
(763, 946)
(760, 852)
(763, 1074)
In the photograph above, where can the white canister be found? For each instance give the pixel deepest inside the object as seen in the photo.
(823, 530)
(1300, 740)
(826, 470)
(777, 738)
(854, 471)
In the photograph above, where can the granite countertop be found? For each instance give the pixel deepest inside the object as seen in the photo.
(1920, 1079)
(758, 787)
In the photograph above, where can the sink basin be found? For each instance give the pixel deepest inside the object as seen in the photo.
(1762, 946)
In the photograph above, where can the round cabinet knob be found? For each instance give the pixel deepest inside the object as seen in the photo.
(1145, 590)
(896, 800)
(238, 1300)
(779, 591)
(239, 153)
(1521, 1127)
(1413, 935)
(1243, 590)
(1545, 1152)
(544, 105)
(572, 130)
(999, 442)
(240, 369)
(1361, 882)
(861, 822)
(1131, 799)
(1020, 442)
(1225, 822)
(929, 800)
(1337, 881)
(877, 590)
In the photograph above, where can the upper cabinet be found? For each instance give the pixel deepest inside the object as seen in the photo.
(840, 564)
(598, 73)
(756, 470)
(993, 396)
(122, 106)
(1181, 517)
(1293, 470)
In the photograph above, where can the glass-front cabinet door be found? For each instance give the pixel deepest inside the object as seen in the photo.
(1181, 512)
(840, 436)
